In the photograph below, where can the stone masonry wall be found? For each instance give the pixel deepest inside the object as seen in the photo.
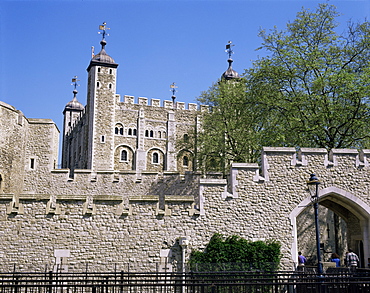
(130, 220)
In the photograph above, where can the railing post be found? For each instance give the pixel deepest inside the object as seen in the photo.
(121, 287)
(16, 285)
(50, 287)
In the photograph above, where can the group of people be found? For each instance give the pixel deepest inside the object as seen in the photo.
(351, 259)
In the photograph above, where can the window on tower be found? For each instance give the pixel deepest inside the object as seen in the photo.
(155, 158)
(124, 156)
(32, 163)
(118, 129)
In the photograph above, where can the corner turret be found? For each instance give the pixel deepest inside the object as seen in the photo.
(72, 111)
(230, 73)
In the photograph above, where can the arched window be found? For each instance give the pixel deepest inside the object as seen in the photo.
(110, 86)
(110, 71)
(134, 131)
(98, 84)
(185, 161)
(159, 134)
(146, 133)
(130, 131)
(155, 158)
(186, 138)
(151, 133)
(164, 134)
(124, 155)
(118, 130)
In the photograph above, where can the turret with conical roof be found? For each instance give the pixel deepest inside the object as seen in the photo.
(72, 112)
(230, 73)
(74, 104)
(102, 58)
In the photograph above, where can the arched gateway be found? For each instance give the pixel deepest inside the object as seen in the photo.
(354, 211)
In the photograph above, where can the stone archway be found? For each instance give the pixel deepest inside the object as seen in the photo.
(350, 208)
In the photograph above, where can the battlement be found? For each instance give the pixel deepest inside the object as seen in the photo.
(143, 101)
(273, 159)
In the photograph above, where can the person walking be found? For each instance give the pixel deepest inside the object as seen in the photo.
(352, 260)
(301, 259)
(335, 258)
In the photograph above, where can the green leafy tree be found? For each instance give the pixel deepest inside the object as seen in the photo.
(311, 90)
(317, 81)
(235, 128)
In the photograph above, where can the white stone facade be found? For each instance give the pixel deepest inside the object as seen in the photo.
(117, 205)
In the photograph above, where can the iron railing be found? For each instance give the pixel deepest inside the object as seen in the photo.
(210, 282)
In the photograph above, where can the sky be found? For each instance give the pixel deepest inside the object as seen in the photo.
(44, 44)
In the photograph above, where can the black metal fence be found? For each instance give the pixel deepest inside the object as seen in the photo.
(225, 282)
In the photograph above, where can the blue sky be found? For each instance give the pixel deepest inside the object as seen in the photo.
(45, 43)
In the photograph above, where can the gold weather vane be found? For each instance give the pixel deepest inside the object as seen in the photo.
(228, 49)
(173, 88)
(103, 29)
(74, 82)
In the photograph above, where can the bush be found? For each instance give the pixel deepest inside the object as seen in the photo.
(234, 253)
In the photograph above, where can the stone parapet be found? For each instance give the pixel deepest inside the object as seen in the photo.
(143, 101)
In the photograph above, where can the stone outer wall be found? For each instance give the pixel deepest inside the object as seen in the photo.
(140, 219)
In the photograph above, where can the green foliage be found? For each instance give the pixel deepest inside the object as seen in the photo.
(235, 252)
(236, 127)
(317, 81)
(311, 90)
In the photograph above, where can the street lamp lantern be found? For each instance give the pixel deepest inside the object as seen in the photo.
(313, 187)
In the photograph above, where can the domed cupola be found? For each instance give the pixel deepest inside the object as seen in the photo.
(74, 104)
(230, 73)
(102, 58)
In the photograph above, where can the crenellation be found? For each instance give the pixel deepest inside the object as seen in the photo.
(338, 156)
(363, 158)
(155, 102)
(129, 99)
(180, 106)
(305, 153)
(168, 104)
(142, 101)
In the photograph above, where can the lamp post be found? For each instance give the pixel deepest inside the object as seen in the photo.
(313, 187)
